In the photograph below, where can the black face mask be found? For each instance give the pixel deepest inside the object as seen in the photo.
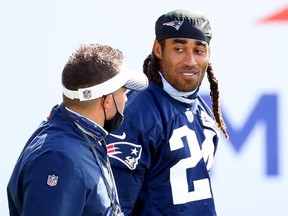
(115, 122)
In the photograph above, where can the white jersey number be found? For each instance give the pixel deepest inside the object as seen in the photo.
(178, 176)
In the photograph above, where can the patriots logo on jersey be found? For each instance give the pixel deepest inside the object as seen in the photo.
(176, 24)
(125, 152)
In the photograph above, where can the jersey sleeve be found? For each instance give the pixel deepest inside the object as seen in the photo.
(133, 147)
(53, 185)
(128, 185)
(131, 150)
(128, 164)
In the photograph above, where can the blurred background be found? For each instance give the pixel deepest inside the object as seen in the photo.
(249, 57)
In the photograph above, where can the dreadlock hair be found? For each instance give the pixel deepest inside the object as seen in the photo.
(214, 95)
(151, 68)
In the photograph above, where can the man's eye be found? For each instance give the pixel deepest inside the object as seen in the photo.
(200, 51)
(178, 49)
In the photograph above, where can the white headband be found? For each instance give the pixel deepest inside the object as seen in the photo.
(130, 80)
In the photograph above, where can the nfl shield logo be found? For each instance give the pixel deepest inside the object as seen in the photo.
(52, 180)
(87, 94)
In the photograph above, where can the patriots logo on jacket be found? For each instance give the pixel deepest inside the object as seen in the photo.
(125, 152)
(176, 24)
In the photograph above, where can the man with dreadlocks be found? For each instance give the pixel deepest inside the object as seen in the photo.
(162, 154)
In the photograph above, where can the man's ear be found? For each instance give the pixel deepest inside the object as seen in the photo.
(157, 49)
(107, 101)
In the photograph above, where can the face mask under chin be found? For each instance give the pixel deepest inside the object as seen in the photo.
(115, 122)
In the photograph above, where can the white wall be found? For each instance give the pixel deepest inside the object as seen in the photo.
(249, 59)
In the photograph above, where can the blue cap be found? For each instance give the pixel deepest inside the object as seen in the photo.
(183, 24)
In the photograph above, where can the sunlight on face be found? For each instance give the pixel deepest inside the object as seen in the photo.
(184, 62)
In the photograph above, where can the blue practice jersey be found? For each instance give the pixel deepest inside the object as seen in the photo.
(162, 154)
